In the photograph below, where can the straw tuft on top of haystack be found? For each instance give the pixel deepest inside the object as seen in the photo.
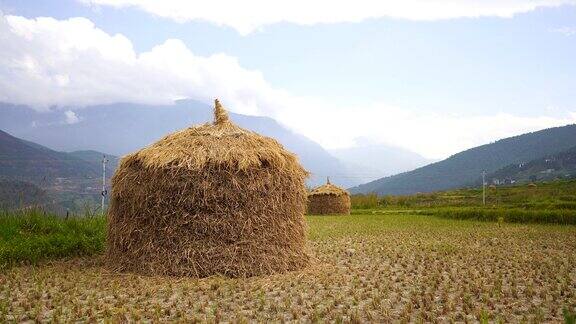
(209, 199)
(221, 144)
(328, 199)
(328, 189)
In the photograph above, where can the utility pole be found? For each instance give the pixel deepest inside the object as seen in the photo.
(104, 191)
(483, 188)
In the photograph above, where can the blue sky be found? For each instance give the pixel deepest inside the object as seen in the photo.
(435, 86)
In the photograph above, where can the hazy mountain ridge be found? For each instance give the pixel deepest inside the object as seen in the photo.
(370, 162)
(464, 169)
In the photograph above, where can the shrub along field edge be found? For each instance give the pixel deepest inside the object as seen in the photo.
(508, 215)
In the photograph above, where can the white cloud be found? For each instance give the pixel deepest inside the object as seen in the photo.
(430, 134)
(566, 31)
(46, 62)
(71, 117)
(249, 15)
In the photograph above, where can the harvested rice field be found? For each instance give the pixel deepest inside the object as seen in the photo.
(367, 268)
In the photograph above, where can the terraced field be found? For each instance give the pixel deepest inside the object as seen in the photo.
(381, 267)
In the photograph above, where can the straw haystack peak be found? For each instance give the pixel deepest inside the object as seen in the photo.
(220, 114)
(218, 144)
(329, 189)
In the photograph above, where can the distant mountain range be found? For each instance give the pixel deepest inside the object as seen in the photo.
(373, 161)
(465, 168)
(119, 129)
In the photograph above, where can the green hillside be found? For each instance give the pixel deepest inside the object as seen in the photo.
(464, 169)
(33, 175)
(552, 167)
(22, 160)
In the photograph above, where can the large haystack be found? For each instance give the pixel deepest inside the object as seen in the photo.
(210, 199)
(328, 199)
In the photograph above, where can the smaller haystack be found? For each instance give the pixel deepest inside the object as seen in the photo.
(329, 199)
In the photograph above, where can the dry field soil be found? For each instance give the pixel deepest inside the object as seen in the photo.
(367, 268)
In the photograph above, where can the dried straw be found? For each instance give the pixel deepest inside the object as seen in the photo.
(328, 199)
(211, 199)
